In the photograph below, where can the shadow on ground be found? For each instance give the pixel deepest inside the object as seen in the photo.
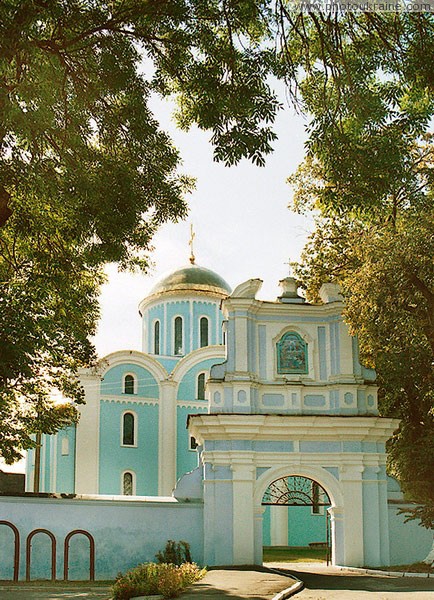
(366, 583)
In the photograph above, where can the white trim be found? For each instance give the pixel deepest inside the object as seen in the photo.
(204, 373)
(135, 357)
(131, 412)
(134, 482)
(190, 311)
(311, 345)
(154, 322)
(173, 336)
(135, 383)
(202, 316)
(193, 358)
(129, 399)
(218, 332)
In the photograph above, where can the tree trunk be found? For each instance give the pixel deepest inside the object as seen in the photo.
(429, 560)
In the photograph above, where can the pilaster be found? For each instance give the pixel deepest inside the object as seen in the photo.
(87, 438)
(167, 420)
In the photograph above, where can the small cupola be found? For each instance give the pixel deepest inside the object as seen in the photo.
(289, 293)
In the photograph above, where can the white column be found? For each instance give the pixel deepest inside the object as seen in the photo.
(384, 523)
(337, 534)
(279, 525)
(351, 478)
(87, 438)
(242, 347)
(167, 420)
(243, 514)
(258, 556)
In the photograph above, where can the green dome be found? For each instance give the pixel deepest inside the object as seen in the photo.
(192, 278)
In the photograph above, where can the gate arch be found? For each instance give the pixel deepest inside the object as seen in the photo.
(16, 547)
(317, 474)
(29, 552)
(91, 553)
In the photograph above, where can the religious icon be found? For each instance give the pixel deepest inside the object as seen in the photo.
(292, 354)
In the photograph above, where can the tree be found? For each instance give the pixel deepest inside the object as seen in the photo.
(378, 245)
(86, 174)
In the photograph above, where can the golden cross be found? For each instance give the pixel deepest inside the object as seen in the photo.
(190, 243)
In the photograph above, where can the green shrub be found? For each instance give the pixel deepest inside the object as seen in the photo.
(151, 578)
(175, 553)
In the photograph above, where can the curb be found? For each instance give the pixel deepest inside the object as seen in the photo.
(385, 573)
(288, 592)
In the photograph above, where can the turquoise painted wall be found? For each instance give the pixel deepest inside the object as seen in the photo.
(191, 312)
(65, 479)
(175, 309)
(188, 384)
(186, 460)
(303, 526)
(266, 537)
(153, 314)
(115, 459)
(206, 309)
(112, 381)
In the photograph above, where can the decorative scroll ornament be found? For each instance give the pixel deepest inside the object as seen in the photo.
(292, 354)
(296, 491)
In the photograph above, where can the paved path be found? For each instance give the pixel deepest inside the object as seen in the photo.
(328, 583)
(216, 585)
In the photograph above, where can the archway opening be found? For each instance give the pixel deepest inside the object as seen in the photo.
(296, 525)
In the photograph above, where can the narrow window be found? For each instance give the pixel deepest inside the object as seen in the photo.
(127, 484)
(178, 336)
(203, 332)
(201, 386)
(129, 384)
(157, 337)
(192, 443)
(128, 429)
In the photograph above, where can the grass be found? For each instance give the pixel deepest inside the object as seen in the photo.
(293, 554)
(418, 567)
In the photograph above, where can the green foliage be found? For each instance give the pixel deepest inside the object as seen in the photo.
(86, 173)
(175, 553)
(168, 580)
(383, 261)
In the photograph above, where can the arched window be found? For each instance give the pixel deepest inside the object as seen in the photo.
(292, 354)
(128, 484)
(201, 386)
(128, 426)
(203, 332)
(177, 346)
(157, 337)
(129, 384)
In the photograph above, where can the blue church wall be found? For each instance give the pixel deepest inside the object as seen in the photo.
(186, 459)
(156, 313)
(178, 309)
(266, 527)
(206, 309)
(65, 460)
(187, 389)
(303, 526)
(115, 458)
(147, 385)
(167, 362)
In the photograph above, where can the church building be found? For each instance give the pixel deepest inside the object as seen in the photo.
(241, 423)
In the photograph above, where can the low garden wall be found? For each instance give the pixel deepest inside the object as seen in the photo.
(98, 536)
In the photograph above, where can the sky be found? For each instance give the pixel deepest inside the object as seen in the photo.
(243, 228)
